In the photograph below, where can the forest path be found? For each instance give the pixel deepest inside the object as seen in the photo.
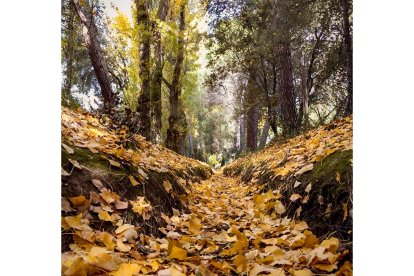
(232, 230)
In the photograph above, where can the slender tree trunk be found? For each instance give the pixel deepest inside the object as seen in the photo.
(69, 52)
(252, 127)
(144, 72)
(177, 123)
(286, 89)
(156, 104)
(242, 123)
(304, 110)
(348, 50)
(90, 35)
(265, 133)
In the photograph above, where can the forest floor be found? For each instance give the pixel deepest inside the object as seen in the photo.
(141, 209)
(228, 231)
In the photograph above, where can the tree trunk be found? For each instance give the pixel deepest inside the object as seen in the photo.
(90, 35)
(304, 113)
(252, 123)
(177, 123)
(242, 123)
(348, 50)
(265, 133)
(286, 89)
(144, 72)
(156, 105)
(69, 52)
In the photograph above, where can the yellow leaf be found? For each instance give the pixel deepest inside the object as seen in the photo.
(300, 226)
(74, 221)
(241, 263)
(326, 267)
(127, 270)
(133, 181)
(338, 177)
(122, 247)
(177, 253)
(279, 208)
(345, 270)
(108, 196)
(106, 262)
(114, 163)
(331, 244)
(303, 272)
(77, 266)
(170, 272)
(103, 215)
(167, 186)
(123, 228)
(79, 201)
(107, 239)
(194, 225)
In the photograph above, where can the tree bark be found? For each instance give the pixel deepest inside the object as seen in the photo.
(286, 89)
(144, 73)
(242, 123)
(265, 133)
(252, 118)
(348, 50)
(177, 123)
(304, 113)
(69, 53)
(90, 35)
(156, 105)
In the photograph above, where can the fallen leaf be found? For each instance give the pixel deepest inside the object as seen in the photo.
(114, 163)
(127, 270)
(123, 228)
(167, 186)
(304, 169)
(177, 253)
(133, 181)
(68, 149)
(279, 208)
(64, 173)
(121, 205)
(103, 215)
(142, 173)
(338, 177)
(98, 184)
(75, 164)
(122, 247)
(295, 197)
(308, 188)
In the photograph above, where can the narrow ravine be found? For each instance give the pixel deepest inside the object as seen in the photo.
(230, 231)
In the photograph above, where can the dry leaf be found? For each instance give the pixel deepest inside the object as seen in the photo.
(133, 181)
(98, 184)
(114, 163)
(177, 253)
(68, 149)
(306, 168)
(127, 270)
(295, 197)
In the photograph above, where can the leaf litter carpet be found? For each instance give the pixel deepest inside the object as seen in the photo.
(232, 229)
